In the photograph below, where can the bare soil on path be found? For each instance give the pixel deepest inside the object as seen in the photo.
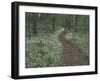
(73, 56)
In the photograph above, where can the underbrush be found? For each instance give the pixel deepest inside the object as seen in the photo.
(80, 40)
(44, 50)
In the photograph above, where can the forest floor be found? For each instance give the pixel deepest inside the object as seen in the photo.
(73, 55)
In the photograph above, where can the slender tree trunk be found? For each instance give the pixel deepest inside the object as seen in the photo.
(53, 24)
(76, 24)
(35, 18)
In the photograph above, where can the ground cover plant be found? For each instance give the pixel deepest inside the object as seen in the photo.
(53, 40)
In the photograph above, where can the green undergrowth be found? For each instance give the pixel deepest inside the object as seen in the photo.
(80, 40)
(44, 50)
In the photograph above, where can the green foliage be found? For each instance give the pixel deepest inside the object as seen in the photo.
(81, 37)
(43, 50)
(42, 46)
(81, 41)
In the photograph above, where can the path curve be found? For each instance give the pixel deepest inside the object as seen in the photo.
(73, 56)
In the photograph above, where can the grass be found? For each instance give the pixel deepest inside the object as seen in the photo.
(44, 50)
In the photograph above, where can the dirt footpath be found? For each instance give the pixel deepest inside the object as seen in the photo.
(73, 56)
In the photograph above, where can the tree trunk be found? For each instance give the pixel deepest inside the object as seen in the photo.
(53, 24)
(35, 18)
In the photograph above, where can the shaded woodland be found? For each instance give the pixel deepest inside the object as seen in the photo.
(42, 45)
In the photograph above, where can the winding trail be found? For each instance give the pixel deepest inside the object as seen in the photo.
(73, 56)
